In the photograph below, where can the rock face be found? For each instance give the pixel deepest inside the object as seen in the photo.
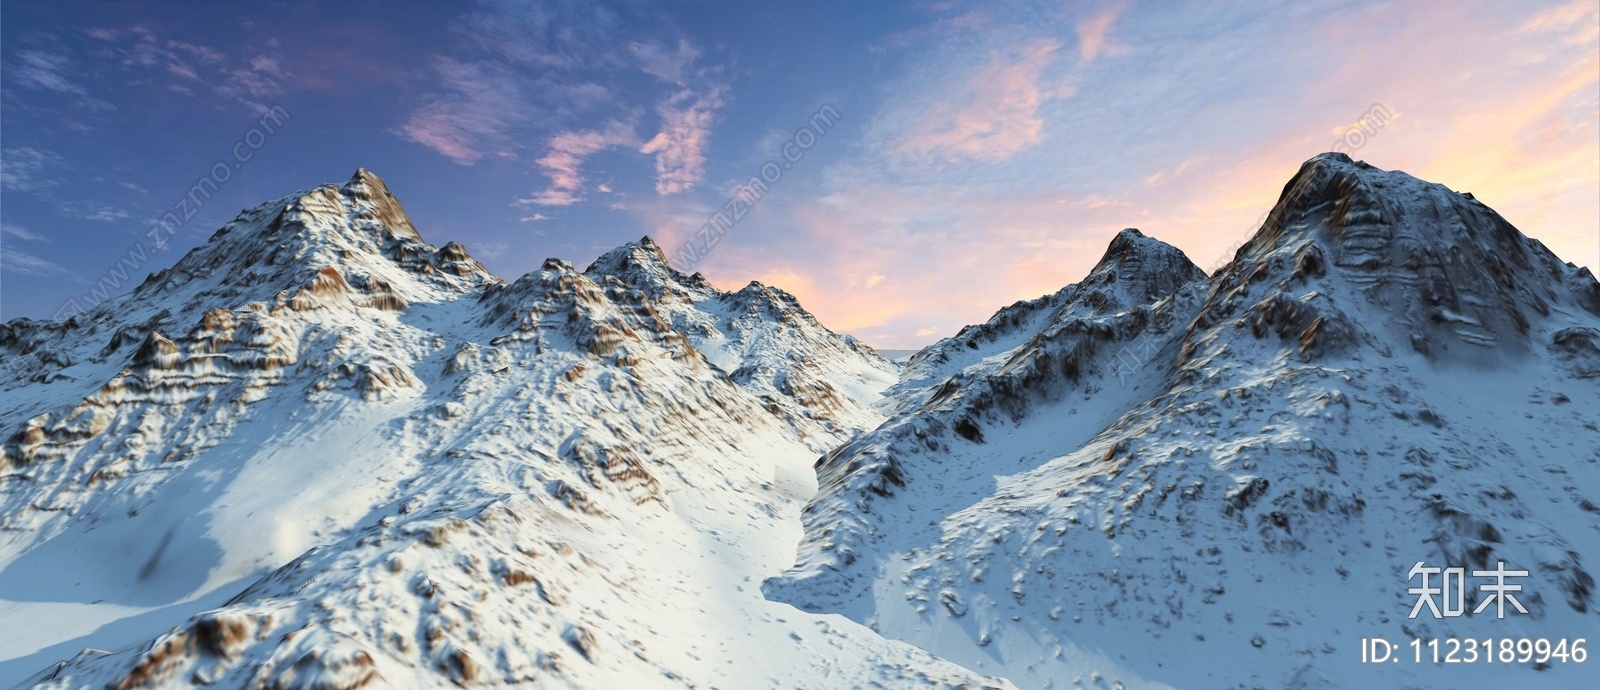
(1152, 470)
(319, 452)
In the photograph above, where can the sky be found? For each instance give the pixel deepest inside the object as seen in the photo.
(921, 164)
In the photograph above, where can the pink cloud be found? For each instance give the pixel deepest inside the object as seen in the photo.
(680, 146)
(563, 163)
(1092, 31)
(443, 133)
(474, 116)
(994, 114)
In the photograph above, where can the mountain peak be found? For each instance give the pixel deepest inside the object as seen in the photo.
(1132, 244)
(1447, 272)
(376, 203)
(1133, 257)
(641, 264)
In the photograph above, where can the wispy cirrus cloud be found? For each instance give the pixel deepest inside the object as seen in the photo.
(563, 36)
(993, 114)
(247, 76)
(24, 263)
(27, 169)
(526, 66)
(1575, 23)
(546, 72)
(53, 71)
(260, 77)
(92, 210)
(563, 162)
(668, 63)
(19, 232)
(1165, 175)
(41, 173)
(13, 260)
(473, 117)
(1093, 31)
(490, 250)
(680, 147)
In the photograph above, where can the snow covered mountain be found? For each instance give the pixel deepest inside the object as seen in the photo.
(319, 452)
(1155, 478)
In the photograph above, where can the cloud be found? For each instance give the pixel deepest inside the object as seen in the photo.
(563, 162)
(42, 70)
(261, 77)
(565, 75)
(680, 146)
(202, 53)
(548, 35)
(946, 30)
(92, 210)
(686, 115)
(490, 250)
(26, 169)
(665, 63)
(535, 218)
(483, 102)
(15, 261)
(993, 115)
(1577, 22)
(19, 232)
(1092, 31)
(1160, 177)
(23, 263)
(556, 61)
(48, 71)
(246, 81)
(38, 172)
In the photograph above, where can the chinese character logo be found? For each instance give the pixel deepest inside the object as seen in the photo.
(1500, 592)
(1452, 590)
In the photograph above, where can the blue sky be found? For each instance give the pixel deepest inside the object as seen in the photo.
(983, 152)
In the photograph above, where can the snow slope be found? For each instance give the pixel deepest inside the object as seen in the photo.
(319, 452)
(1387, 373)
